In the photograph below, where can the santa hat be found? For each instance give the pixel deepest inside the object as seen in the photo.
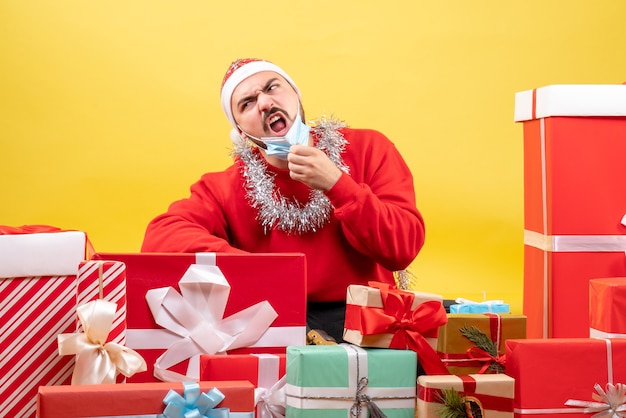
(239, 71)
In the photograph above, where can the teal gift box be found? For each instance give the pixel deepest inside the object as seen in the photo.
(470, 307)
(344, 380)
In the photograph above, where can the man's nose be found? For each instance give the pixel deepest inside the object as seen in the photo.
(264, 101)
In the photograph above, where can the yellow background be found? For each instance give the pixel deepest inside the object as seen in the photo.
(109, 110)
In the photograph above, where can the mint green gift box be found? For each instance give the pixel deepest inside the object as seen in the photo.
(336, 381)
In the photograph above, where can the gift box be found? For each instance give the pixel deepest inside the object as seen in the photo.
(346, 380)
(490, 394)
(38, 301)
(144, 399)
(104, 280)
(550, 372)
(379, 316)
(607, 301)
(461, 355)
(265, 371)
(471, 307)
(573, 200)
(246, 280)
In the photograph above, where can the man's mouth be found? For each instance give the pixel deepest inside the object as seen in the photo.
(276, 123)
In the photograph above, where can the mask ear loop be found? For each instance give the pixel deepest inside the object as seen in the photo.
(257, 141)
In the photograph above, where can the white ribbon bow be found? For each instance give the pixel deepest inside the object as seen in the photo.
(96, 360)
(196, 317)
(610, 403)
(271, 402)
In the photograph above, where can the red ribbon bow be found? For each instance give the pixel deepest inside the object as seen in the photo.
(485, 358)
(409, 327)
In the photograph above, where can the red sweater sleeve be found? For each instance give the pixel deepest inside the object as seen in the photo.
(195, 224)
(375, 203)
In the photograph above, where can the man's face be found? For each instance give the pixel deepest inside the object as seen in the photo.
(264, 104)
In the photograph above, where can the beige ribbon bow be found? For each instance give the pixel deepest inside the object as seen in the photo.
(96, 360)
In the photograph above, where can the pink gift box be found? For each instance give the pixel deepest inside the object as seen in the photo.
(279, 279)
(573, 200)
(607, 302)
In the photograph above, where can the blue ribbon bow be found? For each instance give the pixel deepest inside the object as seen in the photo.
(194, 404)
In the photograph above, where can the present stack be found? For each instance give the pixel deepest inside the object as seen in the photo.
(572, 361)
(574, 202)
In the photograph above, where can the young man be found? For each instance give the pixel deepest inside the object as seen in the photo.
(342, 196)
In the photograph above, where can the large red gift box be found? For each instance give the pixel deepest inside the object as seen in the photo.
(279, 279)
(135, 399)
(607, 302)
(38, 275)
(550, 372)
(574, 203)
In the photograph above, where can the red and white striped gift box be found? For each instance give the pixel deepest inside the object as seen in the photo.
(101, 279)
(38, 275)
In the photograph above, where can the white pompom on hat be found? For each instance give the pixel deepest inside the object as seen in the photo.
(238, 71)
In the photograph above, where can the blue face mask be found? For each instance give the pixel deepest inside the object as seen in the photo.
(278, 146)
(297, 134)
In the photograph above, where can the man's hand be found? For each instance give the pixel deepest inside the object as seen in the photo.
(312, 167)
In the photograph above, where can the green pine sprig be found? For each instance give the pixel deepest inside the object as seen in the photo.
(483, 342)
(453, 404)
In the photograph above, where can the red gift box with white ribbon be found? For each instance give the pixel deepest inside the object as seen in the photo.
(265, 371)
(574, 204)
(557, 376)
(184, 305)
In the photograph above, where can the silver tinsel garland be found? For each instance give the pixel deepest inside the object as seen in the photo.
(276, 211)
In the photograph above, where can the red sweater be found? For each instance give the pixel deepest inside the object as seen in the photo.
(375, 227)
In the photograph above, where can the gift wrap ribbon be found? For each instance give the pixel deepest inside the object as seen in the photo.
(475, 354)
(489, 402)
(96, 360)
(269, 396)
(609, 402)
(193, 322)
(358, 394)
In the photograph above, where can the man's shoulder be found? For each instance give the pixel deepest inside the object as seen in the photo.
(364, 136)
(229, 172)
